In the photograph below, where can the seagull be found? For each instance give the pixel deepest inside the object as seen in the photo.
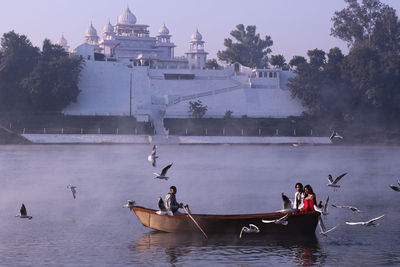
(153, 156)
(354, 209)
(162, 209)
(252, 229)
(323, 209)
(282, 220)
(367, 223)
(395, 188)
(73, 190)
(23, 214)
(322, 227)
(333, 183)
(130, 204)
(334, 134)
(287, 203)
(163, 173)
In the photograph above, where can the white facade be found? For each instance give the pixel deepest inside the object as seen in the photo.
(139, 75)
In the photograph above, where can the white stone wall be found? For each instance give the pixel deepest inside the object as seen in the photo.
(105, 90)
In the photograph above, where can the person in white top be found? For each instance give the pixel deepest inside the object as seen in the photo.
(298, 197)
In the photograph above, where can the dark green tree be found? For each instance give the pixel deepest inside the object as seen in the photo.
(53, 83)
(249, 49)
(212, 64)
(18, 59)
(277, 61)
(197, 109)
(297, 60)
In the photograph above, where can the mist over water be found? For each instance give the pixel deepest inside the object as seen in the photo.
(94, 229)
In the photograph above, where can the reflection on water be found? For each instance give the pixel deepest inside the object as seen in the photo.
(179, 248)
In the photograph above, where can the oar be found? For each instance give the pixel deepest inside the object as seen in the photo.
(198, 226)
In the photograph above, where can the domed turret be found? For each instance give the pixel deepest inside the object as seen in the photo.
(91, 31)
(91, 35)
(127, 18)
(108, 28)
(196, 36)
(63, 42)
(163, 30)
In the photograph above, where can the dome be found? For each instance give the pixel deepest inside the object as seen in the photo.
(127, 17)
(91, 31)
(62, 41)
(197, 36)
(163, 30)
(108, 28)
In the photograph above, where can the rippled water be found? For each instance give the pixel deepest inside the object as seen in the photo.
(94, 229)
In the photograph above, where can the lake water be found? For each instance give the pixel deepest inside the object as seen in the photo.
(94, 229)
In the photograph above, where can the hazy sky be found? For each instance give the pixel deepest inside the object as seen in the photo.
(295, 26)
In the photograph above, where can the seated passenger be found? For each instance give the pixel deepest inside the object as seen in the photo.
(298, 197)
(309, 199)
(170, 200)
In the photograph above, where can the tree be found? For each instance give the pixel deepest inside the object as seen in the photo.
(296, 61)
(197, 109)
(317, 58)
(278, 61)
(228, 114)
(212, 64)
(355, 24)
(34, 80)
(18, 59)
(249, 49)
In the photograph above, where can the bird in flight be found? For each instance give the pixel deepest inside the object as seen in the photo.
(334, 134)
(367, 223)
(282, 220)
(73, 189)
(23, 214)
(153, 156)
(353, 209)
(163, 173)
(251, 229)
(395, 188)
(333, 183)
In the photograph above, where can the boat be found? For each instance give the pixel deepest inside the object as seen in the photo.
(302, 223)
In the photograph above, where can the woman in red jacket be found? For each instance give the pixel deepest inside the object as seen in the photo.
(309, 199)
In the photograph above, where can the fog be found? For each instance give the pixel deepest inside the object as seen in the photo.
(221, 179)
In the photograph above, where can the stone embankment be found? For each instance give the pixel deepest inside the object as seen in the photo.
(9, 137)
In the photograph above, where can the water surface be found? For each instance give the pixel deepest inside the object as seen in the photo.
(94, 229)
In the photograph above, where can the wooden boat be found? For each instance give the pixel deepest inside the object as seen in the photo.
(304, 223)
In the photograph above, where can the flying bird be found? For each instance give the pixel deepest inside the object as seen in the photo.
(322, 227)
(23, 214)
(282, 220)
(367, 223)
(334, 134)
(251, 229)
(153, 156)
(130, 204)
(395, 188)
(73, 190)
(323, 209)
(163, 173)
(333, 183)
(162, 209)
(354, 209)
(287, 203)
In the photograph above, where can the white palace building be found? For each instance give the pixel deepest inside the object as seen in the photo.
(127, 72)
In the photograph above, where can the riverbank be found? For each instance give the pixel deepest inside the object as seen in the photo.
(9, 137)
(175, 140)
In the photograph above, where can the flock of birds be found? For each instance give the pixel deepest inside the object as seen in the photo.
(321, 208)
(287, 203)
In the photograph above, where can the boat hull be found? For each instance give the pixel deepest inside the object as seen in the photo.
(226, 224)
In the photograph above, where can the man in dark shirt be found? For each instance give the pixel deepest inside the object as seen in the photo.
(170, 200)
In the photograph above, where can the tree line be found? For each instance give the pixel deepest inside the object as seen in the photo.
(34, 80)
(360, 86)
